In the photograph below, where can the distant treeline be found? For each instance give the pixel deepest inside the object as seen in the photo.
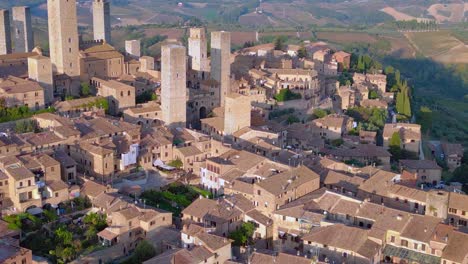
(414, 25)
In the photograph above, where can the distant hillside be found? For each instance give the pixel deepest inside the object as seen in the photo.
(270, 13)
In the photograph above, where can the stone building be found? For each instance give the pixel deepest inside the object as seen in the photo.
(22, 27)
(63, 39)
(119, 95)
(410, 136)
(5, 32)
(173, 85)
(40, 70)
(101, 20)
(132, 48)
(16, 64)
(99, 59)
(236, 113)
(197, 49)
(221, 62)
(20, 92)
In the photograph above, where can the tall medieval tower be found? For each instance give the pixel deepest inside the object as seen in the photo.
(22, 29)
(63, 37)
(237, 113)
(174, 85)
(221, 62)
(198, 49)
(101, 20)
(40, 70)
(5, 34)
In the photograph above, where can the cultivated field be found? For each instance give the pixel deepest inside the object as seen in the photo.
(433, 43)
(448, 12)
(441, 46)
(346, 37)
(397, 15)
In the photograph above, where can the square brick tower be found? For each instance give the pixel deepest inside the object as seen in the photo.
(197, 49)
(22, 28)
(63, 37)
(174, 85)
(221, 62)
(237, 114)
(101, 20)
(40, 70)
(5, 34)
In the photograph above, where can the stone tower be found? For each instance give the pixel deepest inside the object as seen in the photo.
(146, 64)
(22, 29)
(40, 70)
(197, 52)
(437, 203)
(221, 62)
(63, 37)
(173, 85)
(101, 20)
(5, 34)
(132, 48)
(236, 113)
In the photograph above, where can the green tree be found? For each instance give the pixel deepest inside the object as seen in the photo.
(243, 235)
(85, 89)
(50, 215)
(286, 95)
(63, 236)
(91, 233)
(26, 126)
(373, 94)
(403, 104)
(176, 163)
(95, 220)
(395, 140)
(424, 118)
(279, 43)
(293, 119)
(320, 113)
(143, 252)
(302, 52)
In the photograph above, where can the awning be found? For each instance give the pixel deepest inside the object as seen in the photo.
(160, 164)
(407, 254)
(35, 211)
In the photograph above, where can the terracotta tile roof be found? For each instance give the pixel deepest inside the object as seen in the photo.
(281, 258)
(407, 131)
(56, 185)
(457, 248)
(389, 219)
(213, 242)
(452, 149)
(200, 207)
(344, 237)
(348, 182)
(260, 218)
(231, 175)
(407, 192)
(92, 189)
(346, 207)
(19, 172)
(359, 151)
(240, 202)
(458, 201)
(286, 181)
(331, 121)
(14, 85)
(189, 151)
(420, 164)
(129, 213)
(421, 228)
